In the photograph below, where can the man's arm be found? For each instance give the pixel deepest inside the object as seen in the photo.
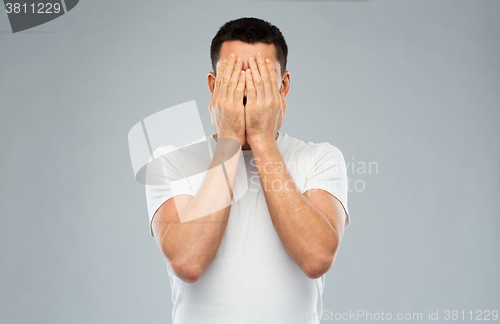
(189, 229)
(310, 226)
(190, 246)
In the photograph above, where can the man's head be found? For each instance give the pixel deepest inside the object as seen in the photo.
(245, 37)
(250, 31)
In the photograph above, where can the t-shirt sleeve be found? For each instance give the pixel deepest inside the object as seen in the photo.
(167, 179)
(327, 171)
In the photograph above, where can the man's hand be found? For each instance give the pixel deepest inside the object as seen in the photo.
(226, 105)
(265, 106)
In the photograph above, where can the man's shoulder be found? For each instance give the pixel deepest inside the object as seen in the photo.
(294, 145)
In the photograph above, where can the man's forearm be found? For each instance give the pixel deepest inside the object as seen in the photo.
(307, 235)
(192, 239)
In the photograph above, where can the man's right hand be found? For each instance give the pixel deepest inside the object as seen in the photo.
(226, 105)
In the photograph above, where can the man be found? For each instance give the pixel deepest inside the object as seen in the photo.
(261, 258)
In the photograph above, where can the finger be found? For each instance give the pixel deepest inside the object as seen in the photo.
(233, 82)
(274, 80)
(238, 92)
(251, 92)
(226, 76)
(257, 81)
(264, 74)
(218, 78)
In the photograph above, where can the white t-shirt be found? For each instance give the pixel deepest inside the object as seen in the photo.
(252, 279)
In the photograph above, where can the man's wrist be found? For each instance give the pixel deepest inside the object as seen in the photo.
(262, 142)
(232, 136)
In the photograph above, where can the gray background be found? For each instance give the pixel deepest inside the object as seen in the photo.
(411, 85)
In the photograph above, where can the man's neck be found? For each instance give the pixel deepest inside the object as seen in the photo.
(246, 146)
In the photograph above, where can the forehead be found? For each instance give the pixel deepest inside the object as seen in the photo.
(245, 51)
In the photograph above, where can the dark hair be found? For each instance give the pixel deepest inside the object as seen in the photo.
(250, 30)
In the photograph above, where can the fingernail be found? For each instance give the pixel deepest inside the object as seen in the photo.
(252, 60)
(259, 55)
(238, 60)
(231, 56)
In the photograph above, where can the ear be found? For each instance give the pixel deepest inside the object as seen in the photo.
(285, 88)
(285, 83)
(211, 82)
